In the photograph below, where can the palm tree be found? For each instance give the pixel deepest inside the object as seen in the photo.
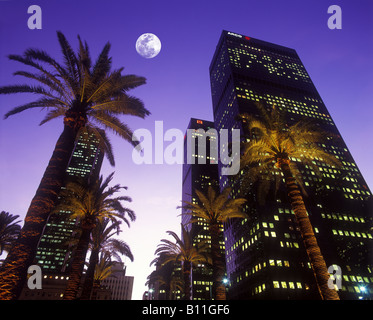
(214, 209)
(9, 230)
(89, 97)
(271, 151)
(102, 242)
(103, 270)
(166, 277)
(91, 205)
(185, 252)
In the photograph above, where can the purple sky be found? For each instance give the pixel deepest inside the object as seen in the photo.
(339, 62)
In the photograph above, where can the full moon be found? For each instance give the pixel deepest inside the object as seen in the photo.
(148, 45)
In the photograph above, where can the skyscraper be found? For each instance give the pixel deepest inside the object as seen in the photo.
(53, 250)
(199, 176)
(264, 253)
(118, 283)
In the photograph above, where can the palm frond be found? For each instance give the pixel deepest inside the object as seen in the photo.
(31, 55)
(114, 124)
(131, 81)
(53, 114)
(103, 65)
(29, 89)
(124, 104)
(41, 103)
(71, 61)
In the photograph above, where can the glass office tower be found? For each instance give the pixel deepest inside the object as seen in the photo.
(199, 176)
(53, 251)
(264, 253)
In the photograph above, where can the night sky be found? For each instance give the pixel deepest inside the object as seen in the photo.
(339, 63)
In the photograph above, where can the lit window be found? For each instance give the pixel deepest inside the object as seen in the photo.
(276, 285)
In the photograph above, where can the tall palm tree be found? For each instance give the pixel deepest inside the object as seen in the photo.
(9, 230)
(183, 250)
(102, 242)
(214, 209)
(91, 204)
(88, 96)
(272, 148)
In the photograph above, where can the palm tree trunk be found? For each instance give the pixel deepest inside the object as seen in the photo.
(95, 289)
(90, 274)
(317, 261)
(186, 273)
(13, 273)
(218, 264)
(77, 264)
(168, 291)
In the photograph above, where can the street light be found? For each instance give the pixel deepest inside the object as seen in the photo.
(362, 290)
(151, 290)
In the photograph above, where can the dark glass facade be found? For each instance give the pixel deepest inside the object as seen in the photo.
(264, 254)
(199, 176)
(53, 252)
